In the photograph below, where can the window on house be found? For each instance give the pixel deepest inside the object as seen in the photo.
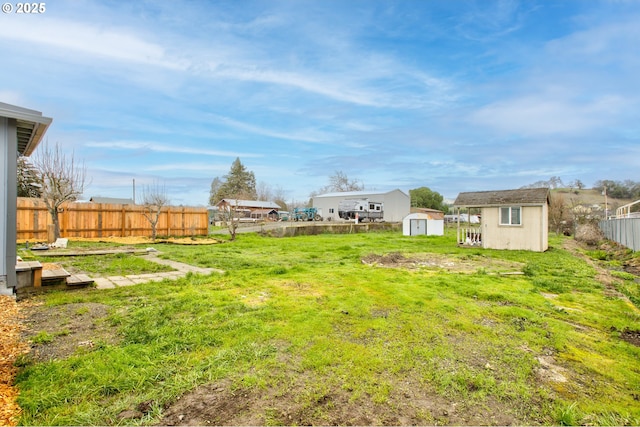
(510, 216)
(330, 210)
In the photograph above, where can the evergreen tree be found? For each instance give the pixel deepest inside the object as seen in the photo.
(239, 183)
(28, 179)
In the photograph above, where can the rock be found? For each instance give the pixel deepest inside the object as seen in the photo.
(129, 414)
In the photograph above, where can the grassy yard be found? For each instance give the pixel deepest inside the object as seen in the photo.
(372, 328)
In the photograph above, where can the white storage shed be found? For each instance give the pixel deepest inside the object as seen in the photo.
(422, 224)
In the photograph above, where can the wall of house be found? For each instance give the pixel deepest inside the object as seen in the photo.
(8, 191)
(397, 205)
(532, 235)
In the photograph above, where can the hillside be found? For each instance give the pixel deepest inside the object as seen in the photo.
(590, 197)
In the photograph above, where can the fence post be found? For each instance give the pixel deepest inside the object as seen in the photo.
(123, 221)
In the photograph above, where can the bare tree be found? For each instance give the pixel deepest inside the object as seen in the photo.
(62, 180)
(558, 212)
(154, 198)
(339, 182)
(231, 216)
(263, 191)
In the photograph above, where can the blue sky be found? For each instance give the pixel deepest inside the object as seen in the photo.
(452, 95)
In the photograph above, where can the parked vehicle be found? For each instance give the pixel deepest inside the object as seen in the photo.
(363, 209)
(306, 214)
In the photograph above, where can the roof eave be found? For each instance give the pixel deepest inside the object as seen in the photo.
(31, 124)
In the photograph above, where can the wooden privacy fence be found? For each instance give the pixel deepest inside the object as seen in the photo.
(106, 220)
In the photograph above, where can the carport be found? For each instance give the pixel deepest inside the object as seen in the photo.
(21, 130)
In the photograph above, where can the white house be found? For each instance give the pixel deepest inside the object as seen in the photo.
(21, 130)
(396, 203)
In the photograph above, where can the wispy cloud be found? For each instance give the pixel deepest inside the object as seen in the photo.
(163, 148)
(546, 115)
(110, 42)
(306, 135)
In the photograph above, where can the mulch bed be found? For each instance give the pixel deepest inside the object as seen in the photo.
(10, 349)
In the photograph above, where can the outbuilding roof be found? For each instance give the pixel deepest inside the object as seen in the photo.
(523, 196)
(355, 194)
(249, 203)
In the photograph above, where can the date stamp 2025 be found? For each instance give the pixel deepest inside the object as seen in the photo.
(24, 8)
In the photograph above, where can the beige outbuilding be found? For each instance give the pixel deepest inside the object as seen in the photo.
(510, 219)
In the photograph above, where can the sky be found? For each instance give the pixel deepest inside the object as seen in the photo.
(451, 95)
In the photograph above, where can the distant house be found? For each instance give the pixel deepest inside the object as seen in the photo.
(112, 201)
(396, 203)
(249, 209)
(511, 219)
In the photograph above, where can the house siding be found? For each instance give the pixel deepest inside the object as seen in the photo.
(532, 235)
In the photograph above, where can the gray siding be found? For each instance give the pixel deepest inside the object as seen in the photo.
(625, 231)
(8, 201)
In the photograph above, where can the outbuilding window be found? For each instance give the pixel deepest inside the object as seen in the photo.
(510, 215)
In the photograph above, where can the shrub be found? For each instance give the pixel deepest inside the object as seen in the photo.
(589, 234)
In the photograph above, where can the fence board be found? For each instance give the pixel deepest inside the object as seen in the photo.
(105, 220)
(625, 231)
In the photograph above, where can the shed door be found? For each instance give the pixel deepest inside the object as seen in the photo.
(418, 226)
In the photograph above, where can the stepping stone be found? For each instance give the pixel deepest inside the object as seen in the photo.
(54, 277)
(79, 280)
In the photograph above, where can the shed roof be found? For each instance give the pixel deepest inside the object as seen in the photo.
(433, 213)
(31, 126)
(523, 196)
(264, 211)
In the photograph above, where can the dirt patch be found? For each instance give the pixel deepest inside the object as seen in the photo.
(142, 240)
(631, 336)
(603, 275)
(441, 262)
(58, 332)
(408, 404)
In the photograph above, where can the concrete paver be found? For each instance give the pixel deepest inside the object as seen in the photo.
(181, 270)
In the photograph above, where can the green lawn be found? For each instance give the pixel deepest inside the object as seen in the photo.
(307, 329)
